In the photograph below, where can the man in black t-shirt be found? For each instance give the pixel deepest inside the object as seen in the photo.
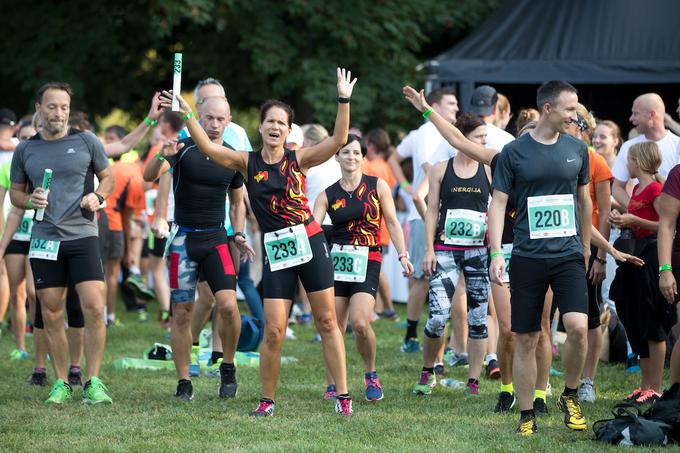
(548, 173)
(197, 245)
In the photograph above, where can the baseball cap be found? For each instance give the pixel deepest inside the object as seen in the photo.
(483, 100)
(7, 117)
(296, 135)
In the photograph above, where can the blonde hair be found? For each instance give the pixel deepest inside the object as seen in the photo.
(589, 120)
(314, 133)
(647, 156)
(616, 132)
(525, 116)
(503, 104)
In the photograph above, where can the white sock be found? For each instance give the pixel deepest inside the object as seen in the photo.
(490, 357)
(135, 270)
(111, 317)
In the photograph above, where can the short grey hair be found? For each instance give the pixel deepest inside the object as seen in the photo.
(205, 82)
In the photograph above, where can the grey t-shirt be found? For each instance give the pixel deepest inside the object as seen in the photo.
(527, 168)
(74, 160)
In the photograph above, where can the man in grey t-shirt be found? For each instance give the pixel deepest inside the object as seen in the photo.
(64, 243)
(548, 173)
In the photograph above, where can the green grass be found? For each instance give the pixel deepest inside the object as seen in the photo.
(145, 416)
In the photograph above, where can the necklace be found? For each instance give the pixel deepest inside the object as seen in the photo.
(351, 194)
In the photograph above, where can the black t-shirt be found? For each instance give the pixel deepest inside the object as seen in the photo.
(355, 215)
(527, 168)
(510, 210)
(200, 187)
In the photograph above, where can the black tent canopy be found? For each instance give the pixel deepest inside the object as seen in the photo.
(581, 41)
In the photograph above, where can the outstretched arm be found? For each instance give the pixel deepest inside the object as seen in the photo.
(393, 226)
(450, 132)
(320, 153)
(320, 207)
(130, 140)
(221, 155)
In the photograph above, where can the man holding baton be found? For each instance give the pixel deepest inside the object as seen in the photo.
(64, 244)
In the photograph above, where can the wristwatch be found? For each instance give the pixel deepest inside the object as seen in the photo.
(240, 233)
(601, 260)
(99, 197)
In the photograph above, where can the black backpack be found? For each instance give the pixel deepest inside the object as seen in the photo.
(667, 410)
(628, 427)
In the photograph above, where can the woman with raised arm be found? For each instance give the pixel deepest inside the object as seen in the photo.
(294, 243)
(356, 205)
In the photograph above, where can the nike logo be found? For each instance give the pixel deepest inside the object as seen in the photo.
(570, 160)
(71, 151)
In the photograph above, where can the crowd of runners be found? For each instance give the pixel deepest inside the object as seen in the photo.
(560, 231)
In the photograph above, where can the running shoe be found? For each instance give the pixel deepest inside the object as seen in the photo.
(506, 401)
(264, 409)
(493, 369)
(135, 283)
(194, 365)
(472, 389)
(343, 406)
(633, 363)
(38, 379)
(94, 392)
(439, 369)
(142, 315)
(185, 391)
(448, 354)
(648, 396)
(331, 392)
(540, 407)
(61, 392)
(389, 314)
(633, 396)
(213, 369)
(458, 360)
(228, 386)
(426, 383)
(114, 323)
(18, 354)
(374, 390)
(411, 345)
(75, 379)
(586, 391)
(573, 414)
(527, 427)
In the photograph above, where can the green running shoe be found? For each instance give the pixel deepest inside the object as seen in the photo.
(426, 383)
(137, 286)
(194, 364)
(60, 393)
(95, 392)
(213, 369)
(18, 354)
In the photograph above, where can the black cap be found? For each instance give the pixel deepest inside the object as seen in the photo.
(7, 117)
(483, 100)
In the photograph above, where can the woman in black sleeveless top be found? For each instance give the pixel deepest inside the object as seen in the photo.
(294, 244)
(356, 205)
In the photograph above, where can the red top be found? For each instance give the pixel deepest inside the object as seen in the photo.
(642, 205)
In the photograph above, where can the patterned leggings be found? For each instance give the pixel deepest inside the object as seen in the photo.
(474, 266)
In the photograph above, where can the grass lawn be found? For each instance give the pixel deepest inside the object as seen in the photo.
(145, 416)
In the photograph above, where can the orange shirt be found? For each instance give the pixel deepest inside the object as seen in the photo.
(381, 169)
(127, 193)
(599, 172)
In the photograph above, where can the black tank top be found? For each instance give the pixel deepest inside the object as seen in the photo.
(459, 193)
(278, 192)
(355, 215)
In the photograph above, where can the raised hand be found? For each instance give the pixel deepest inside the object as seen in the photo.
(166, 102)
(345, 83)
(416, 98)
(155, 110)
(170, 148)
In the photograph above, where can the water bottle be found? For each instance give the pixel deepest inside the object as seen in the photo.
(452, 383)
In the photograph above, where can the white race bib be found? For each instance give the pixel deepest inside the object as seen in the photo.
(44, 249)
(464, 227)
(350, 262)
(551, 216)
(23, 232)
(287, 247)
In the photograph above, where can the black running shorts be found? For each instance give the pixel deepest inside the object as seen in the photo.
(369, 286)
(77, 261)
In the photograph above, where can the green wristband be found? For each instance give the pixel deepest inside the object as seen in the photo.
(427, 112)
(404, 184)
(495, 254)
(665, 267)
(187, 116)
(30, 203)
(150, 122)
(158, 155)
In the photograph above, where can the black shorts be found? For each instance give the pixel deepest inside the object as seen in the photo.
(77, 261)
(18, 247)
(369, 286)
(315, 275)
(595, 302)
(154, 246)
(203, 253)
(74, 312)
(529, 281)
(114, 245)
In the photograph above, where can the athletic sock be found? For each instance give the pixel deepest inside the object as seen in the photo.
(135, 270)
(215, 356)
(267, 400)
(509, 388)
(344, 396)
(74, 369)
(430, 370)
(490, 357)
(473, 381)
(111, 317)
(629, 349)
(195, 343)
(523, 415)
(182, 381)
(569, 392)
(40, 370)
(540, 394)
(411, 329)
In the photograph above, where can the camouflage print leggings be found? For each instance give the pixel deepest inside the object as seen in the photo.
(474, 266)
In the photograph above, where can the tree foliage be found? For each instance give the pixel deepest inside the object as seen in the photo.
(115, 54)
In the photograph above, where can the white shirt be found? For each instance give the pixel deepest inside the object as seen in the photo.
(670, 155)
(321, 177)
(497, 138)
(443, 152)
(419, 145)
